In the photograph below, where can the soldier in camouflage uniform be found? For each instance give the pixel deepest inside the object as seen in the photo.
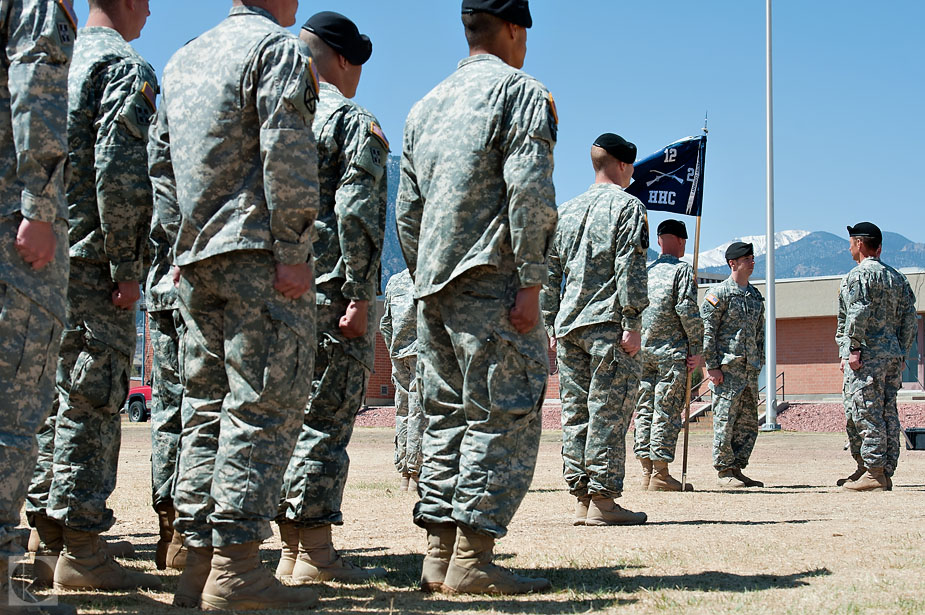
(475, 216)
(876, 326)
(733, 350)
(671, 346)
(111, 96)
(352, 153)
(234, 167)
(399, 330)
(38, 40)
(166, 390)
(594, 322)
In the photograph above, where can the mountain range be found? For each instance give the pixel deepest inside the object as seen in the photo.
(798, 253)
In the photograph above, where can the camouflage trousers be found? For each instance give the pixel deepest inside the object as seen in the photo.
(166, 397)
(313, 487)
(735, 417)
(93, 377)
(872, 418)
(246, 356)
(409, 416)
(659, 409)
(482, 387)
(598, 382)
(29, 339)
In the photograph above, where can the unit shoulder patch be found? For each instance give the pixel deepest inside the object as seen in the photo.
(68, 9)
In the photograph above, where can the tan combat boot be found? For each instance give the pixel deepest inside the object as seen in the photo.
(727, 479)
(239, 582)
(34, 541)
(441, 539)
(663, 481)
(471, 571)
(193, 579)
(748, 482)
(51, 541)
(84, 564)
(165, 517)
(413, 483)
(604, 511)
(319, 561)
(581, 509)
(858, 473)
(405, 482)
(872, 480)
(289, 535)
(646, 471)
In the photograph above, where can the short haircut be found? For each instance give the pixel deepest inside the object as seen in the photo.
(481, 28)
(322, 53)
(600, 158)
(871, 243)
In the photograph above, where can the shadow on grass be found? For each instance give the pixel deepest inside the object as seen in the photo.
(726, 522)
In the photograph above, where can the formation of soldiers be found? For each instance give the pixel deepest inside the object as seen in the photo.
(251, 202)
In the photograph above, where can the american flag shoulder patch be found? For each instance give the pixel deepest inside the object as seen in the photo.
(150, 95)
(712, 299)
(376, 130)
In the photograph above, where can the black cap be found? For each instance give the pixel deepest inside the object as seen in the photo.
(515, 11)
(617, 146)
(341, 35)
(672, 227)
(865, 229)
(738, 249)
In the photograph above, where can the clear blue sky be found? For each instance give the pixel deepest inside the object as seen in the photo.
(849, 91)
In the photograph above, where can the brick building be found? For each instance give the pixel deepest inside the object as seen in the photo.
(807, 357)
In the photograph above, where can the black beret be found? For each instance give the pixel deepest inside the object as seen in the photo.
(865, 229)
(342, 35)
(617, 146)
(515, 11)
(672, 227)
(738, 249)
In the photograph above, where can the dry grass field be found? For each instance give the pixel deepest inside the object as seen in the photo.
(798, 545)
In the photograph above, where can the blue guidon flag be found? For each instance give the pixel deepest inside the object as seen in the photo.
(671, 179)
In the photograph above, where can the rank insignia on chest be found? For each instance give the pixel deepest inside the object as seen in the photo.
(68, 9)
(150, 95)
(378, 133)
(713, 299)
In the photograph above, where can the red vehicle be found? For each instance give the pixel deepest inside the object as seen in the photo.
(139, 399)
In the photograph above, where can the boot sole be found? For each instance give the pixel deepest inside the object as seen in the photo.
(606, 523)
(434, 587)
(492, 592)
(212, 603)
(326, 578)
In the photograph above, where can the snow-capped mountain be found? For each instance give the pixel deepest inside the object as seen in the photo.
(716, 256)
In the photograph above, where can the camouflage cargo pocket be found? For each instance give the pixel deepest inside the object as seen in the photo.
(287, 373)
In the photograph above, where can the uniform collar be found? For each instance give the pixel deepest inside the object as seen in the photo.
(251, 10)
(668, 258)
(101, 31)
(482, 57)
(602, 186)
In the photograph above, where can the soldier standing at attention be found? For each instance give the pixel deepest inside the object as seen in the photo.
(111, 99)
(733, 350)
(352, 154)
(671, 346)
(872, 336)
(475, 215)
(166, 388)
(399, 330)
(38, 40)
(594, 322)
(233, 160)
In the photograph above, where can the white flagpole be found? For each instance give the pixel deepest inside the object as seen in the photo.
(770, 423)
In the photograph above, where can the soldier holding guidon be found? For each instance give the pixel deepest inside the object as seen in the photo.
(672, 338)
(594, 321)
